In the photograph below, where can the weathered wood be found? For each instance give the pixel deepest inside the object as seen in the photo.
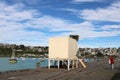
(73, 64)
(83, 64)
(37, 65)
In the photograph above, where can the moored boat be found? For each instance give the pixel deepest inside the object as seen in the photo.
(13, 59)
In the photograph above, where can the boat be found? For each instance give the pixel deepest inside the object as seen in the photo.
(13, 59)
(23, 58)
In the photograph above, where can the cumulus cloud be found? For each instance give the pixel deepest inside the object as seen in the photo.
(30, 27)
(13, 23)
(111, 27)
(110, 13)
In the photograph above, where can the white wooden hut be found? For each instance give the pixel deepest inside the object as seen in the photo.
(62, 48)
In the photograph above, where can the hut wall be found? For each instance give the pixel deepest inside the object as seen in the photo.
(62, 47)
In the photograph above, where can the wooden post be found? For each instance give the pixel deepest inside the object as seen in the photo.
(37, 65)
(68, 64)
(58, 64)
(48, 63)
(73, 63)
(76, 63)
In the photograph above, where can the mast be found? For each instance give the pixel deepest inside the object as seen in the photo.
(13, 53)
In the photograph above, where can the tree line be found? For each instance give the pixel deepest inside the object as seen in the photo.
(6, 51)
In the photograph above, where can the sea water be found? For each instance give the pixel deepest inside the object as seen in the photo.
(26, 63)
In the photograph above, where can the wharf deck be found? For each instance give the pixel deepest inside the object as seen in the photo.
(95, 71)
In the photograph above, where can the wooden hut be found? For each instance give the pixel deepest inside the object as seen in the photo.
(63, 49)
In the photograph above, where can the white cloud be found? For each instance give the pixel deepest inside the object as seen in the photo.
(110, 13)
(77, 1)
(111, 27)
(12, 26)
(16, 12)
(14, 22)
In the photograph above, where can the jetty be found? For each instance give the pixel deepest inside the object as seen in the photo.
(62, 51)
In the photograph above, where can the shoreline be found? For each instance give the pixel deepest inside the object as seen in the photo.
(95, 71)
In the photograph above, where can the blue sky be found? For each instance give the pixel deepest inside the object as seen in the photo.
(33, 22)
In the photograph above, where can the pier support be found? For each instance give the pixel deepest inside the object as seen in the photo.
(48, 63)
(68, 64)
(58, 64)
(73, 64)
(76, 63)
(37, 65)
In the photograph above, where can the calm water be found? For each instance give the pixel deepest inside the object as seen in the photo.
(28, 63)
